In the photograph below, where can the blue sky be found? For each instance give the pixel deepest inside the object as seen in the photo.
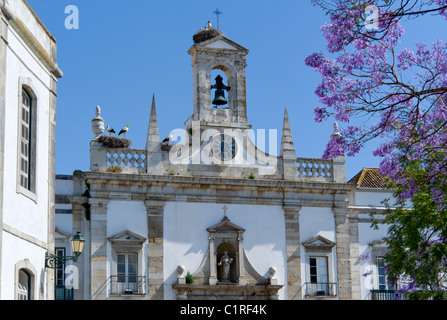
(126, 51)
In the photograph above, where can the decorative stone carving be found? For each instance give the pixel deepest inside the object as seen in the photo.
(127, 241)
(97, 123)
(226, 238)
(181, 279)
(226, 272)
(318, 243)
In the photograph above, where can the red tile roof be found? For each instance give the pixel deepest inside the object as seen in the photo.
(368, 178)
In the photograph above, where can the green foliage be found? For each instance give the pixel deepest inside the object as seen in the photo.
(86, 204)
(189, 278)
(417, 243)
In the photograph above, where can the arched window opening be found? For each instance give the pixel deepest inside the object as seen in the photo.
(219, 88)
(24, 285)
(26, 112)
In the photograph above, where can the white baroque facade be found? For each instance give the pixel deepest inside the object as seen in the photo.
(241, 223)
(28, 80)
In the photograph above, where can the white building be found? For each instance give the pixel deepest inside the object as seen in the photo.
(28, 80)
(292, 228)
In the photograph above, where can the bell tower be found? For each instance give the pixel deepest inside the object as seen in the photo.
(216, 103)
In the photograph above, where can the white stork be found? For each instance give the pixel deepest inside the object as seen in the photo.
(110, 130)
(209, 26)
(124, 130)
(167, 139)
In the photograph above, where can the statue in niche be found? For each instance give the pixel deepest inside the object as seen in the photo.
(225, 264)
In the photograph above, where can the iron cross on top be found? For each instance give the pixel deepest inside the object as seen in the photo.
(225, 208)
(217, 13)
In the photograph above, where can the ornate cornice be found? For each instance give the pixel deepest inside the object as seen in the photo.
(29, 38)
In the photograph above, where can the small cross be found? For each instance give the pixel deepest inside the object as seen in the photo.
(217, 13)
(225, 210)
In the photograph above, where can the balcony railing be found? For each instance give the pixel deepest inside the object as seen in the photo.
(328, 289)
(127, 285)
(383, 294)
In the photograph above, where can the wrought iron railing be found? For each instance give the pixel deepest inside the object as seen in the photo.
(127, 285)
(383, 294)
(320, 289)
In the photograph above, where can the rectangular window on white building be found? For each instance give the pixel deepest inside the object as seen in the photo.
(382, 280)
(127, 273)
(319, 276)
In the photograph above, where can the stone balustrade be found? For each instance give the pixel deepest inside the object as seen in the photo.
(126, 158)
(129, 160)
(309, 169)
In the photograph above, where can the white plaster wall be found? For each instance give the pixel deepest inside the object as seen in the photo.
(122, 216)
(19, 211)
(186, 238)
(15, 250)
(25, 218)
(64, 221)
(370, 197)
(27, 17)
(64, 187)
(315, 221)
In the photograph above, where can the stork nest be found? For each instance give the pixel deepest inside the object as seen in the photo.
(203, 35)
(166, 147)
(114, 142)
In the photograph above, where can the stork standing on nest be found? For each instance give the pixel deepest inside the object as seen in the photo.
(110, 130)
(209, 26)
(167, 139)
(124, 130)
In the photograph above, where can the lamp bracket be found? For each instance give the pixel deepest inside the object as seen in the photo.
(52, 261)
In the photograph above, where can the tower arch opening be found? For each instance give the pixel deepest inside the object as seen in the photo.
(220, 78)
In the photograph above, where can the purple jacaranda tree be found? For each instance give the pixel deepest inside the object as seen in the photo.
(401, 92)
(379, 90)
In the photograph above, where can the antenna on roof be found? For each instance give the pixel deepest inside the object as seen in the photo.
(217, 13)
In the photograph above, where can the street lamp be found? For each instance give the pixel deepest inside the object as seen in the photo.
(77, 244)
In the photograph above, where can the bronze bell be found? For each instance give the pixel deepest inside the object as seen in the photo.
(219, 98)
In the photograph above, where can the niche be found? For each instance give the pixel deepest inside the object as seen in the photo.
(227, 263)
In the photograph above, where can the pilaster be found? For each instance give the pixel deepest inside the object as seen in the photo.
(51, 215)
(355, 255)
(98, 249)
(3, 44)
(155, 209)
(292, 225)
(83, 262)
(343, 249)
